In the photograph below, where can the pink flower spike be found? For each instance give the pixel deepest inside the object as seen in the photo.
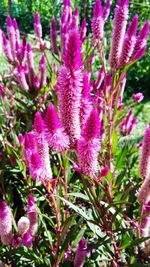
(42, 68)
(89, 145)
(145, 222)
(39, 126)
(129, 42)
(37, 25)
(55, 133)
(100, 78)
(142, 37)
(145, 156)
(30, 56)
(75, 19)
(36, 83)
(104, 171)
(5, 220)
(83, 31)
(32, 214)
(2, 93)
(144, 191)
(53, 36)
(106, 10)
(120, 21)
(97, 22)
(16, 30)
(27, 240)
(140, 53)
(138, 97)
(36, 167)
(6, 48)
(11, 35)
(22, 79)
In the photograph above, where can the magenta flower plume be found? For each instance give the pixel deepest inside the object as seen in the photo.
(128, 124)
(36, 167)
(30, 63)
(6, 48)
(27, 240)
(142, 37)
(75, 19)
(37, 25)
(69, 87)
(83, 31)
(17, 33)
(32, 215)
(42, 68)
(53, 36)
(23, 225)
(144, 191)
(22, 78)
(89, 145)
(81, 253)
(145, 156)
(86, 103)
(5, 223)
(145, 222)
(97, 22)
(12, 36)
(106, 10)
(138, 97)
(42, 146)
(29, 145)
(55, 133)
(120, 21)
(129, 42)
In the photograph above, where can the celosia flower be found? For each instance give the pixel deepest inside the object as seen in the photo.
(29, 145)
(145, 222)
(89, 145)
(69, 87)
(106, 10)
(129, 42)
(27, 240)
(42, 68)
(75, 19)
(5, 223)
(128, 124)
(100, 78)
(97, 22)
(32, 215)
(81, 253)
(12, 36)
(144, 191)
(55, 133)
(17, 33)
(83, 31)
(6, 48)
(120, 21)
(142, 37)
(138, 97)
(22, 78)
(2, 94)
(53, 36)
(145, 156)
(86, 103)
(37, 25)
(23, 225)
(65, 23)
(36, 167)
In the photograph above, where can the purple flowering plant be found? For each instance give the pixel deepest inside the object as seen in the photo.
(71, 194)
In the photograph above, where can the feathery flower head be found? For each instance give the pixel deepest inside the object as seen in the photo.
(83, 31)
(36, 167)
(37, 25)
(143, 35)
(97, 21)
(145, 156)
(138, 97)
(27, 240)
(39, 126)
(42, 68)
(120, 21)
(6, 48)
(32, 214)
(129, 42)
(5, 219)
(30, 56)
(91, 129)
(52, 121)
(23, 225)
(53, 36)
(106, 10)
(75, 19)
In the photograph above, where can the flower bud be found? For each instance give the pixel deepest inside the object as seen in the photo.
(23, 225)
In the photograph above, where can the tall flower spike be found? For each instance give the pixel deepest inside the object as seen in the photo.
(75, 19)
(129, 42)
(22, 78)
(83, 31)
(42, 146)
(36, 167)
(69, 87)
(144, 192)
(32, 214)
(30, 62)
(145, 156)
(53, 36)
(97, 22)
(16, 30)
(12, 36)
(55, 133)
(5, 223)
(142, 37)
(42, 68)
(89, 145)
(37, 25)
(6, 48)
(106, 10)
(120, 21)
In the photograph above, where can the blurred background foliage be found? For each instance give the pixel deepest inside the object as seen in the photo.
(23, 11)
